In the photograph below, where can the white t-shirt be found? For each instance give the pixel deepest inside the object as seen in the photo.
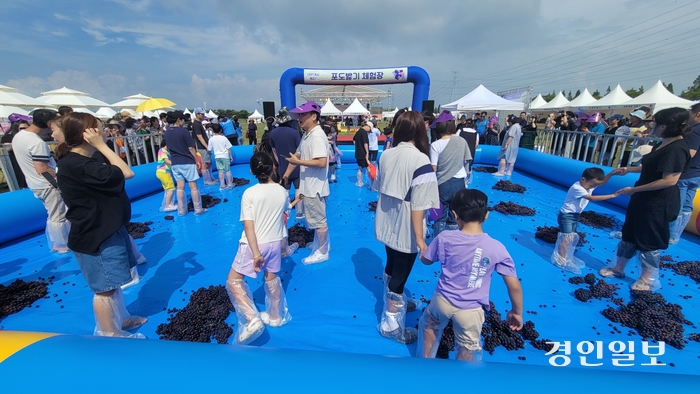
(313, 181)
(264, 204)
(436, 148)
(574, 201)
(28, 148)
(373, 136)
(220, 145)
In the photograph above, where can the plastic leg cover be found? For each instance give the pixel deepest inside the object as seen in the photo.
(321, 247)
(393, 321)
(429, 334)
(563, 255)
(250, 327)
(197, 202)
(140, 258)
(465, 354)
(678, 225)
(616, 268)
(181, 202)
(112, 318)
(411, 303)
(276, 312)
(135, 279)
(57, 235)
(649, 269)
(167, 204)
(509, 169)
(288, 250)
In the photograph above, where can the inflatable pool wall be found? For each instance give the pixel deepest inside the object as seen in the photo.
(31, 218)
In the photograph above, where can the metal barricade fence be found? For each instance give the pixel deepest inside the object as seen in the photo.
(602, 149)
(133, 149)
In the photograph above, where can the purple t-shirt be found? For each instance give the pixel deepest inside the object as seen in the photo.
(468, 261)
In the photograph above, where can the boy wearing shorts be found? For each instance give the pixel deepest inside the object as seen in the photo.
(468, 257)
(220, 147)
(577, 198)
(165, 176)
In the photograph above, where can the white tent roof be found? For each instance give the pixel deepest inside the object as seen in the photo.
(538, 102)
(615, 98)
(256, 115)
(105, 113)
(330, 109)
(187, 111)
(211, 114)
(584, 98)
(7, 110)
(660, 98)
(83, 110)
(70, 97)
(557, 102)
(356, 108)
(131, 101)
(483, 99)
(130, 111)
(10, 96)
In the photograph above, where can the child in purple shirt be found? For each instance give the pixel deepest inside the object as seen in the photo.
(468, 257)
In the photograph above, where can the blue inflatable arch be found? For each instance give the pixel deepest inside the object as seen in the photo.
(368, 76)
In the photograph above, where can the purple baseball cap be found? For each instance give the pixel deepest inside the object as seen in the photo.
(308, 106)
(16, 117)
(445, 116)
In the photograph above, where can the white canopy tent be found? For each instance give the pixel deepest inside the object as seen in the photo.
(187, 111)
(557, 102)
(10, 96)
(105, 113)
(256, 116)
(539, 101)
(329, 109)
(211, 115)
(390, 114)
(614, 99)
(72, 98)
(131, 101)
(7, 110)
(483, 99)
(658, 97)
(356, 108)
(582, 99)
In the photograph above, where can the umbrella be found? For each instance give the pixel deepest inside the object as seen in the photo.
(131, 101)
(10, 96)
(153, 104)
(71, 98)
(7, 110)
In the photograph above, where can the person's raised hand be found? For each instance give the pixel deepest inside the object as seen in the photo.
(93, 137)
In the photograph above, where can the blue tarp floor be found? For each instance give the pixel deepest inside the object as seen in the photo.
(336, 305)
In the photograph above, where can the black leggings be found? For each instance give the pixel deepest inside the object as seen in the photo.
(398, 266)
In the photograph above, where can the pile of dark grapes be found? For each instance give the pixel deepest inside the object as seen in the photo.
(240, 181)
(508, 186)
(486, 169)
(694, 337)
(596, 289)
(202, 319)
(511, 208)
(497, 333)
(652, 317)
(169, 217)
(598, 220)
(137, 229)
(299, 234)
(372, 206)
(687, 268)
(207, 202)
(21, 294)
(549, 234)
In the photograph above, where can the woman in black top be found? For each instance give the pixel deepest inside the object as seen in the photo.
(655, 200)
(98, 209)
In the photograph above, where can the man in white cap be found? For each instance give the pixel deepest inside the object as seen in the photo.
(312, 158)
(202, 140)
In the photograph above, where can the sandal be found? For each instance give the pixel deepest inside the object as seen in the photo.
(610, 273)
(641, 285)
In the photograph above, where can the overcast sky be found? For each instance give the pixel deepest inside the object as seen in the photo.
(229, 54)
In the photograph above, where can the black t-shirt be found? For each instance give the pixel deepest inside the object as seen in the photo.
(469, 135)
(179, 141)
(96, 199)
(198, 129)
(252, 130)
(360, 139)
(285, 140)
(693, 141)
(610, 131)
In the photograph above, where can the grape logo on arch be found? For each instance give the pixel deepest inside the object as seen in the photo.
(398, 74)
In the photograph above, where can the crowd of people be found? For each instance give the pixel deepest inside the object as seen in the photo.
(426, 164)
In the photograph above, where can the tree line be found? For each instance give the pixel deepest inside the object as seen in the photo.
(230, 113)
(691, 93)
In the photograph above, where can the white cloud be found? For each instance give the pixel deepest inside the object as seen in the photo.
(134, 5)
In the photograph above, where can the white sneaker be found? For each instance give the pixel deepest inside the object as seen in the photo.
(170, 208)
(359, 184)
(270, 322)
(254, 327)
(315, 258)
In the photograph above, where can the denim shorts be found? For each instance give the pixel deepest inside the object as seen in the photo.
(109, 268)
(223, 165)
(185, 172)
(568, 222)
